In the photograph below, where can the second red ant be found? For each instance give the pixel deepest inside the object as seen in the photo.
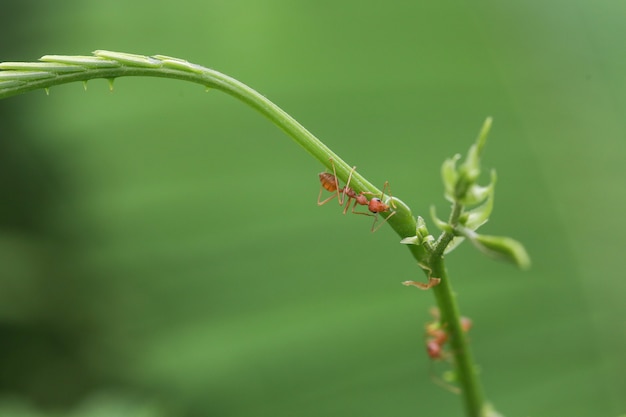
(375, 205)
(436, 339)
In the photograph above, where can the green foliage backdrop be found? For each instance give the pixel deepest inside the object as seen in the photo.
(157, 260)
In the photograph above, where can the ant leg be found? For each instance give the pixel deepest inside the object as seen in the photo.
(346, 188)
(350, 176)
(321, 203)
(385, 186)
(443, 384)
(330, 183)
(340, 197)
(384, 221)
(345, 209)
(360, 199)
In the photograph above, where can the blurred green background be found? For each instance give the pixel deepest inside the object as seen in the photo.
(163, 254)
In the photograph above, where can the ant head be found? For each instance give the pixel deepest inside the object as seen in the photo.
(434, 350)
(377, 206)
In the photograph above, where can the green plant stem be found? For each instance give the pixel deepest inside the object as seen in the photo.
(472, 391)
(18, 78)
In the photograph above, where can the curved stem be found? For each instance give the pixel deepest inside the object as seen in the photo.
(19, 77)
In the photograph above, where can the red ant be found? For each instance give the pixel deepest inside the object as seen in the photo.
(330, 183)
(435, 343)
(437, 338)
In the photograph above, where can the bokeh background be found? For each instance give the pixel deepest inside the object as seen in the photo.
(162, 253)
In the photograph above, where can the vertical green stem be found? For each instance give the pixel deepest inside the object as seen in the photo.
(471, 389)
